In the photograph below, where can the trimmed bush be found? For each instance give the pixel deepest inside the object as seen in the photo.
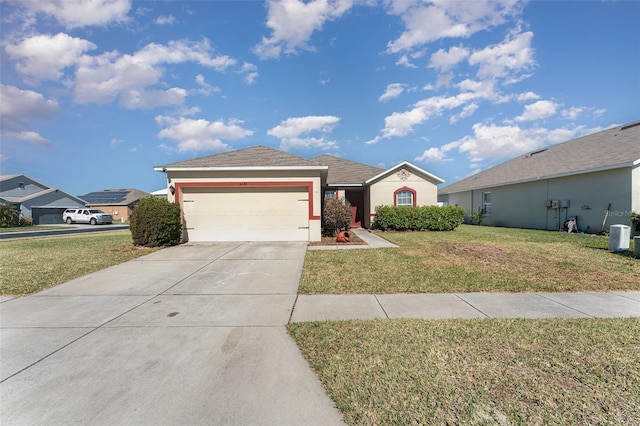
(156, 222)
(429, 218)
(336, 216)
(9, 215)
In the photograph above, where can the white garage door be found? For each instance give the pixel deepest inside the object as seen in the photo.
(246, 214)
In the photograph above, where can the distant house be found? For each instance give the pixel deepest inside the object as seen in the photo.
(263, 194)
(119, 203)
(36, 200)
(581, 178)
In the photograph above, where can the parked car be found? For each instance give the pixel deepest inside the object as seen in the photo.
(91, 216)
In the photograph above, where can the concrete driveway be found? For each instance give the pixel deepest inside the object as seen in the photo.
(193, 334)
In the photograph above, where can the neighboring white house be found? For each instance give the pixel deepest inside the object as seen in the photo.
(580, 178)
(36, 200)
(263, 194)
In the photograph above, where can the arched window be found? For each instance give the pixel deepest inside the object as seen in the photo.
(405, 197)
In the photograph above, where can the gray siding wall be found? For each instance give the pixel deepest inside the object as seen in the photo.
(11, 187)
(523, 205)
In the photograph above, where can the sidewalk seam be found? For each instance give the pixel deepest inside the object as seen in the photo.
(381, 307)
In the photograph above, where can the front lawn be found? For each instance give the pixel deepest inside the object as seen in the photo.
(32, 264)
(492, 371)
(473, 258)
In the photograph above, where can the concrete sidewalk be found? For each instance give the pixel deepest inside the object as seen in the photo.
(467, 305)
(371, 241)
(193, 334)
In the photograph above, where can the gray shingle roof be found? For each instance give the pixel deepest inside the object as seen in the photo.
(346, 172)
(257, 156)
(615, 147)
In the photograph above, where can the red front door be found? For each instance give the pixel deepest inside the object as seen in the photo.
(356, 199)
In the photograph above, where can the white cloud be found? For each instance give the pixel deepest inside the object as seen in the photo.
(44, 57)
(509, 60)
(293, 21)
(17, 108)
(165, 20)
(81, 13)
(492, 142)
(528, 96)
(200, 134)
(250, 72)
(467, 111)
(538, 111)
(402, 123)
(445, 60)
(393, 91)
(148, 99)
(405, 62)
(437, 155)
(111, 76)
(292, 132)
(205, 88)
(429, 21)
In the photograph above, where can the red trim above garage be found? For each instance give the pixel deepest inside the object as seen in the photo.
(246, 184)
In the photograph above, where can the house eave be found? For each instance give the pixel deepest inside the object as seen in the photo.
(398, 166)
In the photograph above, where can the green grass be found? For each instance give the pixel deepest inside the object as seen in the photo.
(493, 371)
(31, 228)
(473, 258)
(28, 265)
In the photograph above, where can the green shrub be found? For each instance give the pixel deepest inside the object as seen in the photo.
(156, 222)
(635, 221)
(9, 215)
(25, 221)
(336, 216)
(405, 218)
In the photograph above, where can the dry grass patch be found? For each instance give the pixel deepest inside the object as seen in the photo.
(33, 264)
(473, 258)
(497, 371)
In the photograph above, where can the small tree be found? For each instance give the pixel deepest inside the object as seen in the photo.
(336, 216)
(9, 215)
(156, 222)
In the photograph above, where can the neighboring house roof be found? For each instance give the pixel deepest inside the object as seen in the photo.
(610, 149)
(257, 157)
(19, 188)
(346, 172)
(114, 197)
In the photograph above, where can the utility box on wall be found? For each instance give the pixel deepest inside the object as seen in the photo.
(565, 204)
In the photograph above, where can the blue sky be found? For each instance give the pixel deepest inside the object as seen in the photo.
(96, 93)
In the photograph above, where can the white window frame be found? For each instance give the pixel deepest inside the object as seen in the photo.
(486, 203)
(401, 193)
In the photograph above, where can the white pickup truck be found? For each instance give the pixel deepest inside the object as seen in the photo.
(91, 216)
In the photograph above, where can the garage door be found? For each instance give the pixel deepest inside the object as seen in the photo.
(47, 215)
(246, 214)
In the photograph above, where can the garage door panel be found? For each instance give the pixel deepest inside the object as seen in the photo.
(246, 214)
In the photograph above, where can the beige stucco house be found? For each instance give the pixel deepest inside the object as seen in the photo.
(263, 194)
(581, 178)
(119, 203)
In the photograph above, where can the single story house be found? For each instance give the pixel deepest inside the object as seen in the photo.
(264, 194)
(41, 203)
(119, 203)
(582, 178)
